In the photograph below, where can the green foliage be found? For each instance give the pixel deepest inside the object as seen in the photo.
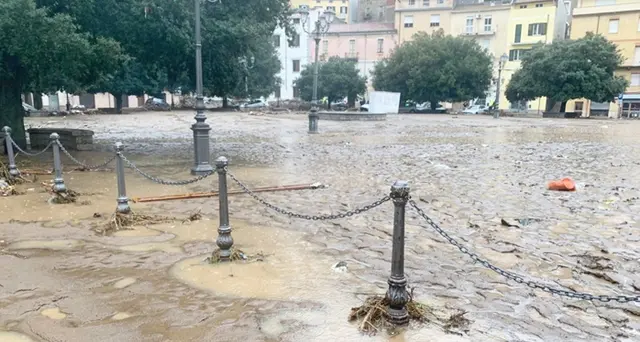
(337, 78)
(569, 69)
(45, 52)
(434, 68)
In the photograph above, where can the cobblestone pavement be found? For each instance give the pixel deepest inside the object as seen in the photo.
(483, 180)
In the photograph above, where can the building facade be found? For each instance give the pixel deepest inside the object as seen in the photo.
(381, 11)
(340, 7)
(367, 43)
(487, 23)
(413, 16)
(532, 22)
(619, 22)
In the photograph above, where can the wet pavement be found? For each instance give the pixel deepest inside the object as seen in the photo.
(59, 281)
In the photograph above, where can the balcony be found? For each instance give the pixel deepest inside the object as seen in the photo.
(351, 55)
(471, 31)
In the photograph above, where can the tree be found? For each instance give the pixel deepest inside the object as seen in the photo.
(435, 68)
(337, 78)
(44, 52)
(569, 69)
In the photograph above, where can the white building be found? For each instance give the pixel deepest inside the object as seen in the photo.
(293, 58)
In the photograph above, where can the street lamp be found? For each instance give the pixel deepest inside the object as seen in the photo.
(200, 128)
(247, 65)
(320, 27)
(503, 60)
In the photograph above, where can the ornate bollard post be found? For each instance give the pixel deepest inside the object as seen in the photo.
(58, 181)
(224, 240)
(13, 169)
(313, 122)
(397, 294)
(123, 200)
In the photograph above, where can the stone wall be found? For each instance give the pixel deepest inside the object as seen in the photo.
(351, 116)
(71, 139)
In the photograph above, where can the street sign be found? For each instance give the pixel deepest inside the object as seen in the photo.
(620, 97)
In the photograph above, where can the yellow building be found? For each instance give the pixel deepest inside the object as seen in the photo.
(487, 23)
(619, 22)
(413, 16)
(531, 22)
(340, 7)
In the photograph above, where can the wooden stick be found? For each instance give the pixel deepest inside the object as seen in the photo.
(233, 192)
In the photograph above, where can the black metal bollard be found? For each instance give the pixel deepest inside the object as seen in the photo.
(397, 294)
(58, 181)
(13, 169)
(313, 121)
(123, 201)
(224, 240)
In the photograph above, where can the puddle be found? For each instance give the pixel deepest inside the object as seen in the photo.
(137, 232)
(10, 336)
(166, 247)
(55, 245)
(122, 283)
(120, 316)
(53, 313)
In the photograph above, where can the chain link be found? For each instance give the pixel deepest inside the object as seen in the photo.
(517, 278)
(27, 153)
(305, 216)
(89, 167)
(162, 181)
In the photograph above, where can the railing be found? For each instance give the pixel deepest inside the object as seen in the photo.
(397, 295)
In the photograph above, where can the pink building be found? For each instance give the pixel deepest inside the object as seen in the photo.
(367, 43)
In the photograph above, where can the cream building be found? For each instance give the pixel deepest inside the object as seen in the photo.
(413, 16)
(342, 8)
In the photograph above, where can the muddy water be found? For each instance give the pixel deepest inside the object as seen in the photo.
(469, 173)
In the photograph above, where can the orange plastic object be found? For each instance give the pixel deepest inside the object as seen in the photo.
(565, 184)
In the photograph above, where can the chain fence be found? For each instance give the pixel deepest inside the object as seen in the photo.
(306, 216)
(163, 181)
(29, 154)
(75, 160)
(515, 277)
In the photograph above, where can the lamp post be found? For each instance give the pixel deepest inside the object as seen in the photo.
(202, 162)
(320, 27)
(503, 60)
(247, 64)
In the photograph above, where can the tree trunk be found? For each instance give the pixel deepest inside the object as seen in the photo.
(434, 105)
(225, 102)
(329, 100)
(37, 100)
(118, 103)
(563, 107)
(11, 112)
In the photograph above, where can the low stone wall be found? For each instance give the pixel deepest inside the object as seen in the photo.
(71, 139)
(351, 116)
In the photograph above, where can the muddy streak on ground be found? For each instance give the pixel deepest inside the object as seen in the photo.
(467, 172)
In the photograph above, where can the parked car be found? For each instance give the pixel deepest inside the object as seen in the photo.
(155, 103)
(364, 107)
(426, 108)
(254, 104)
(476, 109)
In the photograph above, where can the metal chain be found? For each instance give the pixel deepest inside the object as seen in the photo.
(305, 216)
(90, 167)
(517, 278)
(27, 153)
(162, 181)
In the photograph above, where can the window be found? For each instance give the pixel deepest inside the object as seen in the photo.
(435, 20)
(412, 2)
(295, 40)
(523, 6)
(331, 8)
(487, 24)
(468, 26)
(539, 29)
(296, 21)
(613, 25)
(484, 43)
(636, 56)
(538, 5)
(516, 54)
(635, 80)
(296, 65)
(518, 37)
(408, 21)
(380, 45)
(343, 9)
(325, 47)
(276, 40)
(425, 3)
(352, 47)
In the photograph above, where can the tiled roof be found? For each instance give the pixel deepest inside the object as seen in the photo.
(361, 27)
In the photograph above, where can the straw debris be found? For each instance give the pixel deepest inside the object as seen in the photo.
(236, 255)
(194, 216)
(119, 221)
(372, 316)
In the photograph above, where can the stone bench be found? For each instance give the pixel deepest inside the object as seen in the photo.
(71, 139)
(351, 116)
